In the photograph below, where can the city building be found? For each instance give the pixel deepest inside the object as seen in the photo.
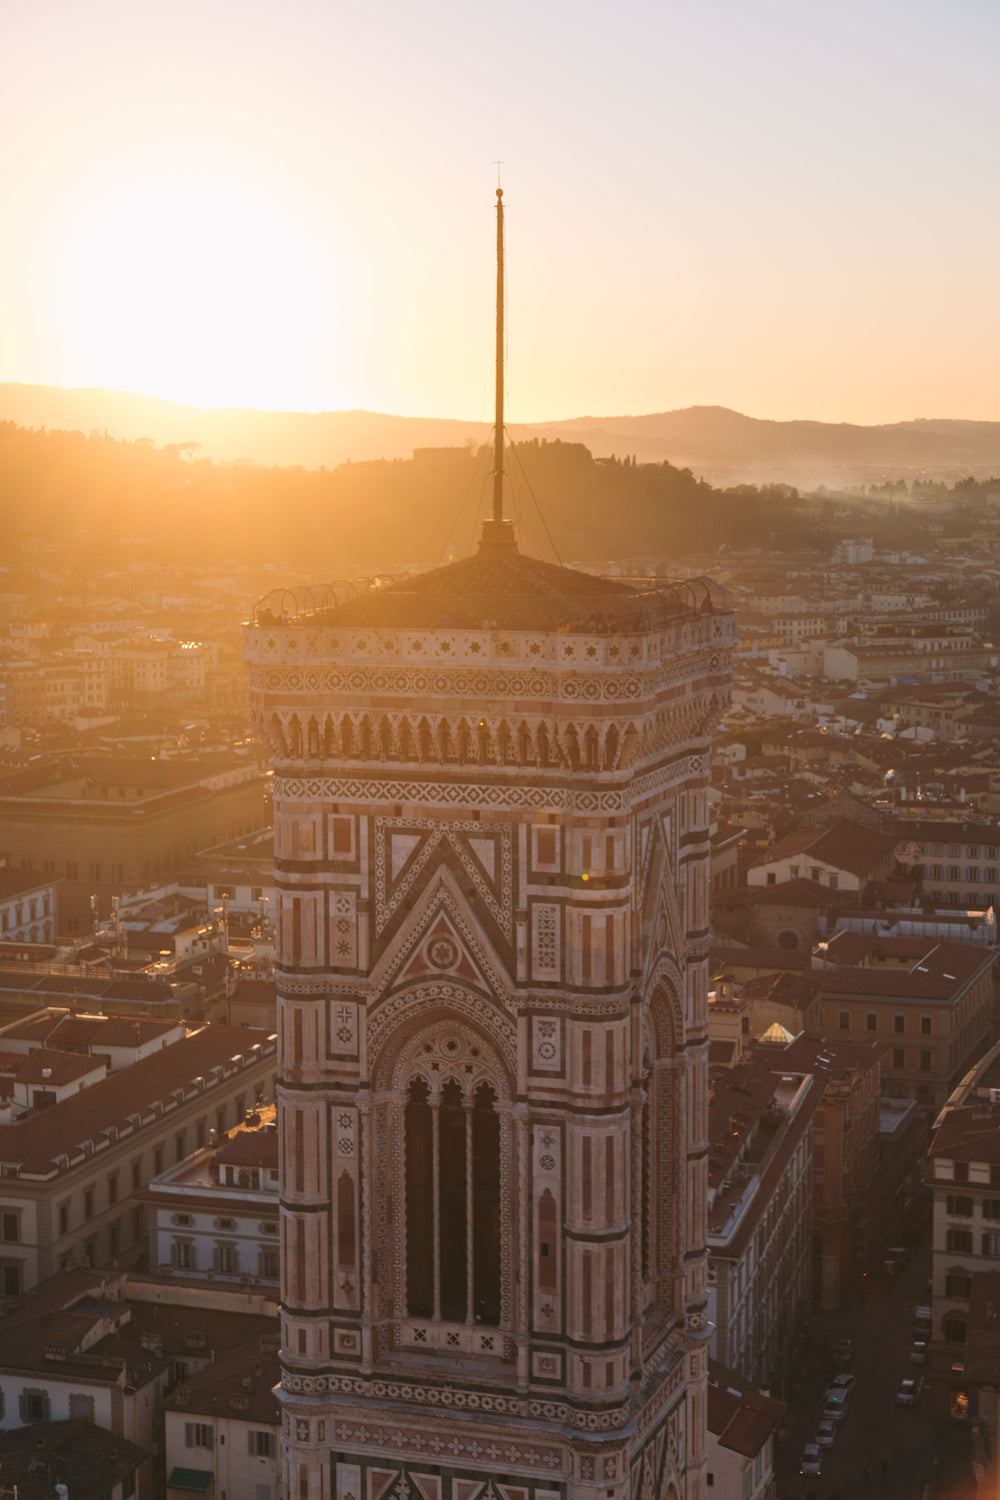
(27, 906)
(108, 825)
(492, 859)
(962, 1171)
(760, 1214)
(742, 1427)
(932, 1002)
(69, 1168)
(214, 1215)
(849, 1196)
(222, 1428)
(107, 1348)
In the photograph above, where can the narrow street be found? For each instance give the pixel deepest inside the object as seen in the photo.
(898, 1446)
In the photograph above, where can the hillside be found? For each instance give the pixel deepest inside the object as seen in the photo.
(103, 496)
(722, 446)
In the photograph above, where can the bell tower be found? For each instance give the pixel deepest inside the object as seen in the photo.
(491, 845)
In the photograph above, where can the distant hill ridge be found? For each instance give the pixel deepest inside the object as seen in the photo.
(723, 445)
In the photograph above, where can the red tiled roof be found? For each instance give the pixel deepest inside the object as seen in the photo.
(36, 1143)
(801, 892)
(46, 1066)
(846, 845)
(968, 1133)
(797, 990)
(246, 1373)
(739, 1415)
(938, 977)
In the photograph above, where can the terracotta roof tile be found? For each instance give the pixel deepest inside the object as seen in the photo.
(37, 1142)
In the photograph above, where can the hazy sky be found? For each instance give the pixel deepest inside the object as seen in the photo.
(784, 206)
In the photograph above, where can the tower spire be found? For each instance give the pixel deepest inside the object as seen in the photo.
(498, 427)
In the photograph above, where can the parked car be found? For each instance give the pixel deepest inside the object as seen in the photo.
(909, 1389)
(834, 1406)
(918, 1352)
(844, 1383)
(844, 1353)
(826, 1432)
(812, 1460)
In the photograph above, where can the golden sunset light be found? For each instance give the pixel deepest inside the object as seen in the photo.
(775, 208)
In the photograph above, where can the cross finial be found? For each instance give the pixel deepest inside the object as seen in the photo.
(498, 164)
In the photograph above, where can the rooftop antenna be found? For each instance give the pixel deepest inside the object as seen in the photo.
(498, 430)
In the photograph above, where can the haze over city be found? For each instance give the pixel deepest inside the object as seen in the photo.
(778, 208)
(499, 968)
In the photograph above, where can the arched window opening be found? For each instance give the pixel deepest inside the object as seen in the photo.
(405, 741)
(452, 1157)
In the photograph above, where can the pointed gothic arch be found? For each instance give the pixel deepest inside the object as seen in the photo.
(442, 1096)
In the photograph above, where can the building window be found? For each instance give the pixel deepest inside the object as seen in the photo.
(35, 1406)
(64, 1218)
(451, 1199)
(961, 1207)
(81, 1406)
(269, 1265)
(137, 1172)
(112, 1187)
(899, 1023)
(833, 882)
(11, 1278)
(114, 1236)
(227, 1259)
(260, 1443)
(871, 1021)
(955, 1327)
(157, 1161)
(199, 1435)
(926, 1061)
(961, 1240)
(10, 1226)
(958, 1284)
(844, 1020)
(925, 1025)
(991, 1208)
(991, 1244)
(182, 1255)
(179, 1145)
(899, 1059)
(88, 1203)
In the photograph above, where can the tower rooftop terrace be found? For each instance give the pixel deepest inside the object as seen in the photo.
(498, 587)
